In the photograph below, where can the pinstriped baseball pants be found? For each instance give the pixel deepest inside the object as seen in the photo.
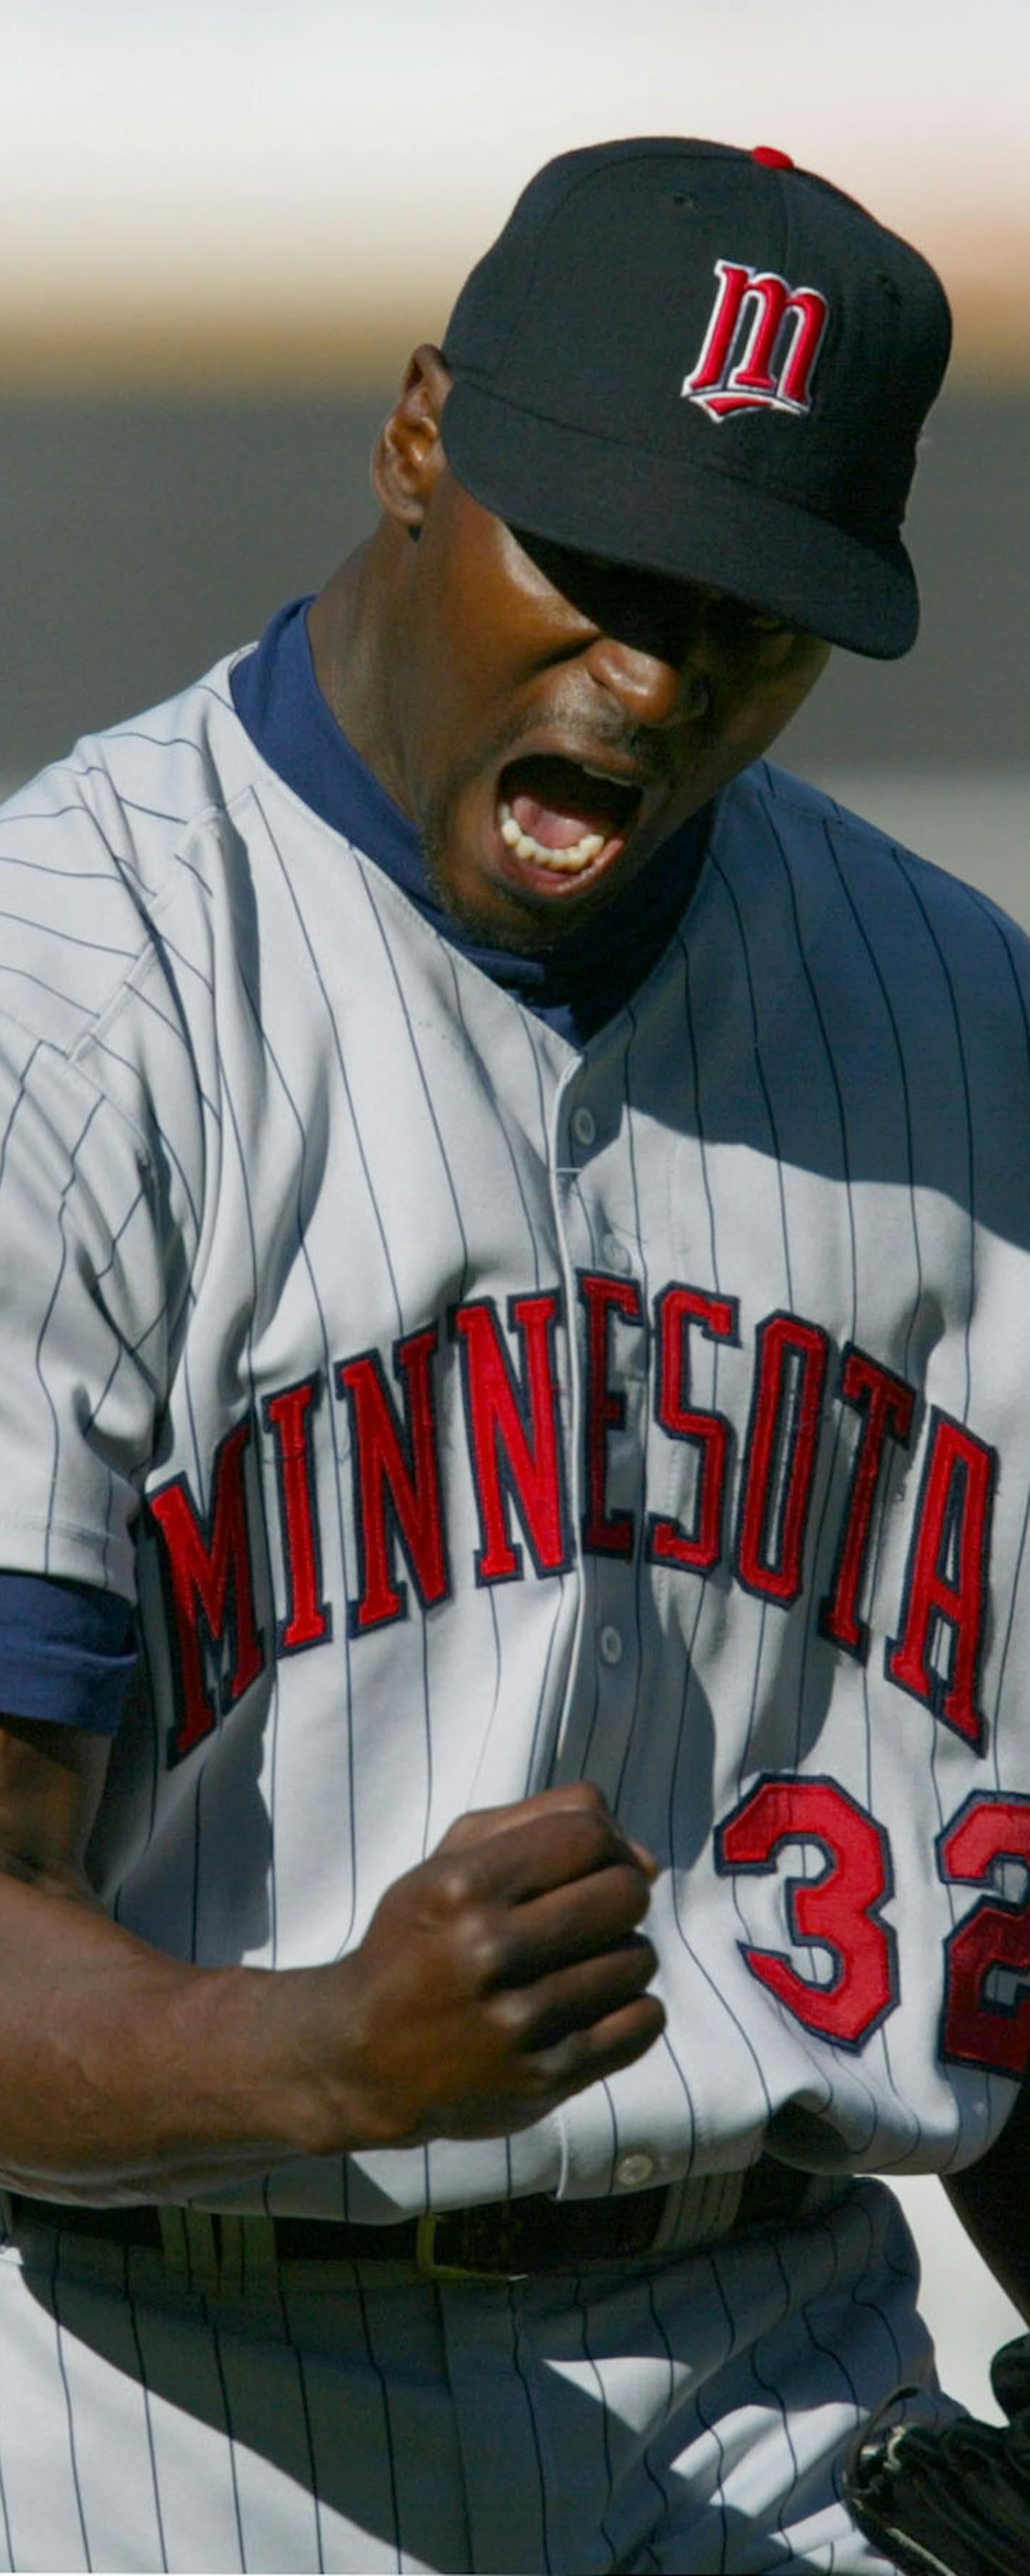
(687, 2417)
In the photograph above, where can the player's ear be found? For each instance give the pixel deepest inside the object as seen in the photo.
(408, 457)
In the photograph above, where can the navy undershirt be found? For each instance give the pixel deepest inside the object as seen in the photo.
(67, 1649)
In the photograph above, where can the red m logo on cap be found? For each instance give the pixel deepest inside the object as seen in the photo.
(761, 344)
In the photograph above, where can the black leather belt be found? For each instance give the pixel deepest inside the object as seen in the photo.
(495, 2239)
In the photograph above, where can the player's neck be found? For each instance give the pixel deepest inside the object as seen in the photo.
(346, 629)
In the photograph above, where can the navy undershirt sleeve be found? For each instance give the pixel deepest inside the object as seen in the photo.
(66, 1652)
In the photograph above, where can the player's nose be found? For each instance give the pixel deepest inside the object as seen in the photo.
(653, 686)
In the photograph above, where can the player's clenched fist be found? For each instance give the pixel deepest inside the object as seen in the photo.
(504, 1973)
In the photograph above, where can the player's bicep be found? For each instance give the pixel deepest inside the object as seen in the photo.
(51, 1781)
(69, 1659)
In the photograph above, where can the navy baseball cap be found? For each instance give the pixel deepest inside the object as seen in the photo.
(708, 363)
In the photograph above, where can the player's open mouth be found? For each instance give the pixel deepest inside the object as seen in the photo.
(561, 815)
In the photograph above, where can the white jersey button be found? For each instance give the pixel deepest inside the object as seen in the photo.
(616, 1253)
(610, 1644)
(584, 1126)
(635, 2169)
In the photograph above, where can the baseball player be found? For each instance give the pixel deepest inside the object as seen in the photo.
(515, 1444)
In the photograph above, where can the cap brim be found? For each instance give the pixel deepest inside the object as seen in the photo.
(654, 511)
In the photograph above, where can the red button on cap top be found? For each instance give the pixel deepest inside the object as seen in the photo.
(773, 160)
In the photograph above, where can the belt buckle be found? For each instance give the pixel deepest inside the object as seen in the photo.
(428, 2264)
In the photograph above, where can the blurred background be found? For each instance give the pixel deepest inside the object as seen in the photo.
(226, 223)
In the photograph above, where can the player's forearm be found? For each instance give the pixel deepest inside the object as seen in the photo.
(495, 1978)
(125, 2074)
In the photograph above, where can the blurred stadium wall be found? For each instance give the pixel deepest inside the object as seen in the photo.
(225, 227)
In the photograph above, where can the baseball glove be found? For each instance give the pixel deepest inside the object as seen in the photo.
(954, 2501)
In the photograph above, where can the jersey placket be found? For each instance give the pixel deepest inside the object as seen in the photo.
(604, 1291)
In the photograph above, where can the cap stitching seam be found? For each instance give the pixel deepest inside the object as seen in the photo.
(577, 182)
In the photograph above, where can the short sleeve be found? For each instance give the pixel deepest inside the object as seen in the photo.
(84, 1327)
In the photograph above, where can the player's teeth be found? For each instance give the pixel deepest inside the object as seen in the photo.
(562, 861)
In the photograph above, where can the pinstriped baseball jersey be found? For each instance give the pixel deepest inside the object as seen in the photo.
(471, 1411)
